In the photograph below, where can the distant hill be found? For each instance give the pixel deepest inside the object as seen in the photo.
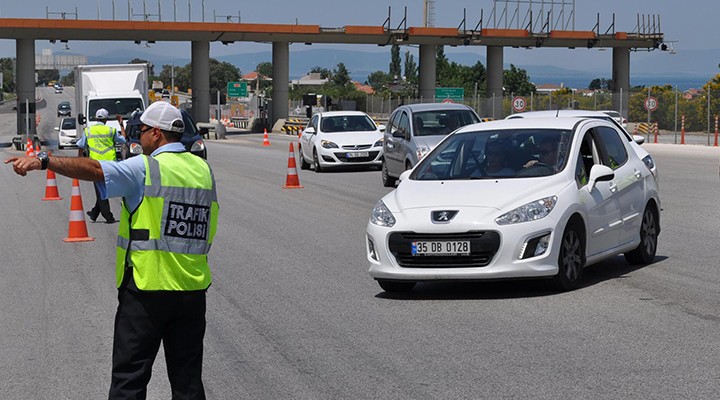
(685, 69)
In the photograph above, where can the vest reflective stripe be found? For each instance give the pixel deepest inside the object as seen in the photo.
(100, 140)
(167, 238)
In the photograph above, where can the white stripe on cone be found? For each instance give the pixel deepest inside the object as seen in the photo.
(77, 215)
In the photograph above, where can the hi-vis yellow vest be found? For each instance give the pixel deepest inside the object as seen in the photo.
(100, 141)
(167, 238)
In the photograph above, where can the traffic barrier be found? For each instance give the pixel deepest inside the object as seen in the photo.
(655, 131)
(292, 181)
(29, 150)
(682, 130)
(77, 229)
(266, 139)
(51, 189)
(292, 126)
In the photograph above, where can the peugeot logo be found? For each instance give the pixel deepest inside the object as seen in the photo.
(443, 217)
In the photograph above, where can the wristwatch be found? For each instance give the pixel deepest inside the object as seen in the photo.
(44, 159)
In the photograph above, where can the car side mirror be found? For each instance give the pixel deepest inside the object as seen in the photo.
(310, 130)
(57, 129)
(404, 175)
(399, 133)
(381, 128)
(639, 139)
(600, 173)
(81, 119)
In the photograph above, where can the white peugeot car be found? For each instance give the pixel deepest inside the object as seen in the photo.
(341, 138)
(523, 198)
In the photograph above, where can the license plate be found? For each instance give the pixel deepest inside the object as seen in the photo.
(358, 154)
(441, 248)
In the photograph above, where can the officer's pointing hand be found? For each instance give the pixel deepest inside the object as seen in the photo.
(21, 165)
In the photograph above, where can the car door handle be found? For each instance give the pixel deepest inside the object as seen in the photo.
(613, 187)
(638, 174)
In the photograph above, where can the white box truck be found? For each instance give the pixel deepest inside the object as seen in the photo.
(118, 88)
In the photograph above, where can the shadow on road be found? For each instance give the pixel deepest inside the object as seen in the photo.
(613, 268)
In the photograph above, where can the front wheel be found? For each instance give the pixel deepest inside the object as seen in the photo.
(387, 180)
(571, 260)
(395, 286)
(645, 252)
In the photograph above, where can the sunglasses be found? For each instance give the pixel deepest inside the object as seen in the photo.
(149, 128)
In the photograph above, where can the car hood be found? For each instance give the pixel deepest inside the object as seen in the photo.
(429, 141)
(497, 194)
(351, 138)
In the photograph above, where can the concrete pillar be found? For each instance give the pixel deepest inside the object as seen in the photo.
(494, 105)
(281, 81)
(201, 81)
(621, 79)
(25, 81)
(427, 71)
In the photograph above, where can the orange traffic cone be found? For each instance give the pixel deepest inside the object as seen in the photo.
(292, 181)
(77, 230)
(51, 189)
(29, 150)
(266, 140)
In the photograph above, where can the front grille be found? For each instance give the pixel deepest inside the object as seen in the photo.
(357, 147)
(483, 246)
(343, 157)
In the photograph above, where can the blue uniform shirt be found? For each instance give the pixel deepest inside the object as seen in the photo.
(118, 139)
(127, 178)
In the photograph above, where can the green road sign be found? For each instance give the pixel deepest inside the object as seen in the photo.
(449, 94)
(237, 89)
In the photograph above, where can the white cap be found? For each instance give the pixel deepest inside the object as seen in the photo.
(101, 114)
(164, 116)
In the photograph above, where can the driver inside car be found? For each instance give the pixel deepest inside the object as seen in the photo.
(548, 154)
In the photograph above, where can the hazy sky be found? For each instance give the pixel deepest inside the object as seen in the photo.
(691, 23)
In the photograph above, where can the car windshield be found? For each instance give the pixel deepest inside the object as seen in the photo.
(68, 123)
(121, 106)
(347, 123)
(441, 122)
(63, 105)
(497, 154)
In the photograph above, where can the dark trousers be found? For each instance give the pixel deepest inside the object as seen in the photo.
(101, 207)
(143, 320)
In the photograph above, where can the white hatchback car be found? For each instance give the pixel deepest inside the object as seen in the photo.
(67, 134)
(523, 198)
(341, 138)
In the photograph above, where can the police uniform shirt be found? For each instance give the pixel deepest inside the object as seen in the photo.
(127, 178)
(119, 138)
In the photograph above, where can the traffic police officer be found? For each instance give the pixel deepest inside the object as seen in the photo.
(169, 219)
(99, 142)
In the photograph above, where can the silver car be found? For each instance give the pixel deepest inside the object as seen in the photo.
(413, 130)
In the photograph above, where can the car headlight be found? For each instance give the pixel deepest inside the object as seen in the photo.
(649, 163)
(379, 143)
(197, 146)
(63, 134)
(529, 212)
(328, 144)
(381, 216)
(422, 152)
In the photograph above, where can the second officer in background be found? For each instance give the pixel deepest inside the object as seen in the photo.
(99, 141)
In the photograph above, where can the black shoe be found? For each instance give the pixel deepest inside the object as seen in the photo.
(89, 214)
(110, 221)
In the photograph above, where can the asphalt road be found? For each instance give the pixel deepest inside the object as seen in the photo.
(293, 314)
